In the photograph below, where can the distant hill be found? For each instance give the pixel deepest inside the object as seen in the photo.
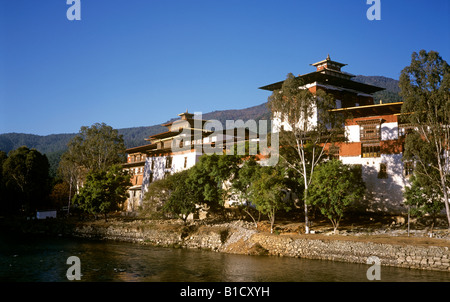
(55, 144)
(133, 137)
(390, 95)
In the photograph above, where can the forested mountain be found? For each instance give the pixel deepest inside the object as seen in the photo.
(55, 144)
(390, 95)
(134, 136)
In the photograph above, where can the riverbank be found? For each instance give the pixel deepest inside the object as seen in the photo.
(353, 244)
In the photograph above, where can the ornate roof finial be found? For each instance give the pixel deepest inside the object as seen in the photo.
(328, 57)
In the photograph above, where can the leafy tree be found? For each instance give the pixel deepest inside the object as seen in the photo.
(310, 127)
(60, 194)
(208, 176)
(3, 193)
(268, 191)
(423, 199)
(181, 201)
(334, 188)
(71, 173)
(157, 195)
(103, 191)
(96, 148)
(425, 88)
(241, 184)
(26, 177)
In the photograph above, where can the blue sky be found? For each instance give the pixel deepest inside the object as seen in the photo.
(141, 62)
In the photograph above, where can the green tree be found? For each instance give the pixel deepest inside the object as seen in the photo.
(334, 188)
(157, 195)
(181, 201)
(240, 187)
(425, 88)
(310, 127)
(26, 177)
(424, 199)
(71, 173)
(268, 192)
(208, 177)
(3, 192)
(96, 148)
(60, 193)
(103, 191)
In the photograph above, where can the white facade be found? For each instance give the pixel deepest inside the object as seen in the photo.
(384, 190)
(384, 176)
(352, 132)
(389, 131)
(279, 123)
(156, 167)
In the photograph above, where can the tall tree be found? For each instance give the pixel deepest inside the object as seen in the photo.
(310, 128)
(96, 148)
(424, 199)
(26, 176)
(268, 192)
(425, 88)
(3, 193)
(181, 201)
(104, 191)
(334, 188)
(208, 177)
(240, 187)
(71, 173)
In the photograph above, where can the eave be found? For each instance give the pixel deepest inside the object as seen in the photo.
(322, 77)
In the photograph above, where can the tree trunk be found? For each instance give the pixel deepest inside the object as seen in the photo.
(306, 210)
(253, 218)
(444, 190)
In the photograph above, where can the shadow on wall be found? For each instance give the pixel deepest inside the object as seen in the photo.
(159, 169)
(384, 185)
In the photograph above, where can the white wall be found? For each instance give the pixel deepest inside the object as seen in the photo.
(277, 123)
(159, 167)
(389, 131)
(353, 133)
(383, 194)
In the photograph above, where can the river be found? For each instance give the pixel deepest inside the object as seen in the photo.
(35, 258)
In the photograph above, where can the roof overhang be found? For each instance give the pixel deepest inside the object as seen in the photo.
(140, 148)
(323, 77)
(372, 110)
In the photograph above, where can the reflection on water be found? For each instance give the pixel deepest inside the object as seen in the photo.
(44, 259)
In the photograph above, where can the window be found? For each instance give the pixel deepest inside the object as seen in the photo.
(405, 130)
(333, 152)
(370, 150)
(383, 171)
(408, 168)
(370, 132)
(168, 162)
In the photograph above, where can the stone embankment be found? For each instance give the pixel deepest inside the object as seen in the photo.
(242, 238)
